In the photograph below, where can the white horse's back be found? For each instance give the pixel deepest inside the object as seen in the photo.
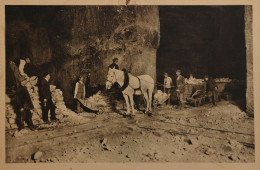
(147, 82)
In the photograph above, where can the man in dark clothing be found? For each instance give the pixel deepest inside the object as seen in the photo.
(211, 88)
(88, 89)
(114, 64)
(25, 106)
(180, 82)
(46, 99)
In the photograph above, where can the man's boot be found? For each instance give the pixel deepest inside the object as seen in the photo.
(20, 125)
(30, 125)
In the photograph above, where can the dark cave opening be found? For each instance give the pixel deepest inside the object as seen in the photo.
(202, 40)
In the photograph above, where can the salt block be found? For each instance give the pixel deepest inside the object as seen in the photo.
(7, 99)
(37, 155)
(11, 120)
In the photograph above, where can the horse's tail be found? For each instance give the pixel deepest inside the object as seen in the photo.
(151, 90)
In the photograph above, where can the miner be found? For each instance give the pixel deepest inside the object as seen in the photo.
(88, 90)
(114, 64)
(79, 93)
(25, 106)
(18, 78)
(180, 82)
(211, 89)
(23, 62)
(46, 99)
(167, 85)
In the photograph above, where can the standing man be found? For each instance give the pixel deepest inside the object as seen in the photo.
(18, 78)
(23, 62)
(88, 90)
(25, 106)
(79, 93)
(114, 64)
(211, 88)
(180, 82)
(167, 86)
(46, 99)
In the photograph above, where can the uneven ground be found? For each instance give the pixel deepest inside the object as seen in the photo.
(204, 134)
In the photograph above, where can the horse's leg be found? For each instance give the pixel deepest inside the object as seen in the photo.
(127, 103)
(147, 102)
(150, 93)
(132, 104)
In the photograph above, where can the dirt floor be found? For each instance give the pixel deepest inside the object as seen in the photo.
(203, 134)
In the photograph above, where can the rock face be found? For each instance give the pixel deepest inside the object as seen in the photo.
(77, 39)
(99, 34)
(249, 60)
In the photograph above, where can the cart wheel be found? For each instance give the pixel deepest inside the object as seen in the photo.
(202, 101)
(196, 103)
(100, 110)
(199, 102)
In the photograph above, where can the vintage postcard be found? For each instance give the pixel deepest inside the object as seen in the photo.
(129, 84)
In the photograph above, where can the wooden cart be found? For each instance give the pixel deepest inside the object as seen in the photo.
(194, 90)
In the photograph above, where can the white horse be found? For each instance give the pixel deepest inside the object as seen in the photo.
(145, 83)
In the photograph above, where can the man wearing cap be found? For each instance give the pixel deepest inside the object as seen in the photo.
(46, 99)
(180, 82)
(114, 64)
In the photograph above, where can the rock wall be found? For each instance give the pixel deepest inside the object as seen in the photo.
(101, 33)
(249, 60)
(77, 39)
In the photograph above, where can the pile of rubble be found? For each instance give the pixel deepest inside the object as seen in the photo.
(193, 81)
(34, 95)
(58, 100)
(10, 122)
(57, 96)
(62, 112)
(223, 79)
(160, 97)
(99, 99)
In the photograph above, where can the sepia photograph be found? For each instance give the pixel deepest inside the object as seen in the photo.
(129, 84)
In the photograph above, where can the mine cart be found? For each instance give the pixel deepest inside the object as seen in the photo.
(195, 94)
(197, 98)
(92, 105)
(229, 90)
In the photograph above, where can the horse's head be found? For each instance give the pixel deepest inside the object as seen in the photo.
(111, 78)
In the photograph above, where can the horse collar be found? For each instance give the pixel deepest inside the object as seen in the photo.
(126, 81)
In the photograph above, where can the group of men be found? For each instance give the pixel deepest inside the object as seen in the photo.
(211, 87)
(23, 99)
(180, 82)
(25, 106)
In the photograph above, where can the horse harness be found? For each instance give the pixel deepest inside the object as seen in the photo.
(126, 83)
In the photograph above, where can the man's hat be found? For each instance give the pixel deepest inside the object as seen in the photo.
(114, 59)
(45, 73)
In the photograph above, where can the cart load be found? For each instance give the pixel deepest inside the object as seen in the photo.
(160, 98)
